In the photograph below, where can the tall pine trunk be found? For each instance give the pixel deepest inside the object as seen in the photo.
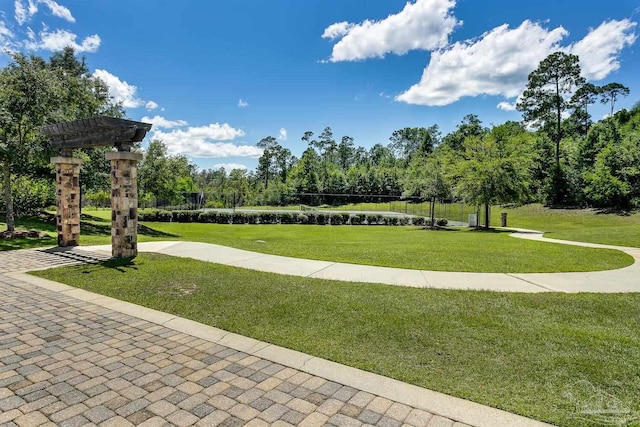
(6, 181)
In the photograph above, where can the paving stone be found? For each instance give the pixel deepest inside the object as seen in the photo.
(11, 402)
(182, 418)
(132, 407)
(418, 418)
(140, 417)
(350, 410)
(344, 421)
(216, 418)
(274, 413)
(76, 421)
(369, 417)
(99, 414)
(32, 419)
(244, 412)
(388, 422)
(398, 411)
(331, 407)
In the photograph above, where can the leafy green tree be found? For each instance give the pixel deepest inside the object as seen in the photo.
(29, 92)
(610, 93)
(470, 126)
(275, 160)
(163, 176)
(34, 92)
(346, 152)
(548, 93)
(426, 178)
(586, 95)
(495, 168)
(405, 142)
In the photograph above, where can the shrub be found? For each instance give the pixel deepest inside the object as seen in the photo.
(312, 218)
(155, 215)
(252, 218)
(391, 220)
(185, 216)
(30, 194)
(322, 219)
(345, 217)
(223, 218)
(374, 219)
(303, 219)
(208, 217)
(418, 220)
(268, 218)
(358, 219)
(335, 219)
(238, 218)
(403, 220)
(442, 222)
(287, 218)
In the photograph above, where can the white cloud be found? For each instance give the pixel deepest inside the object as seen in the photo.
(5, 35)
(206, 141)
(339, 29)
(151, 105)
(119, 90)
(425, 24)
(59, 39)
(507, 106)
(21, 13)
(58, 10)
(499, 61)
(161, 122)
(282, 136)
(229, 166)
(242, 104)
(24, 13)
(599, 50)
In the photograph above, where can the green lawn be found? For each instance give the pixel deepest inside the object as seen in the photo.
(403, 247)
(539, 355)
(575, 224)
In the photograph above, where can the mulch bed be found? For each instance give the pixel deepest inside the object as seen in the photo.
(23, 234)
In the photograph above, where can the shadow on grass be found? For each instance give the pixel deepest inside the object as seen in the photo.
(120, 264)
(88, 217)
(93, 229)
(26, 243)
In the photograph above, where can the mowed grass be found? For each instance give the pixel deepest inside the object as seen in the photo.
(583, 225)
(402, 247)
(543, 356)
(457, 249)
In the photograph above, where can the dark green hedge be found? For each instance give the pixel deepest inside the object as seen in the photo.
(281, 218)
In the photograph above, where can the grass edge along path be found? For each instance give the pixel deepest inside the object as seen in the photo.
(538, 355)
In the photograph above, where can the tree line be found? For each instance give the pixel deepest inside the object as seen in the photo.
(557, 155)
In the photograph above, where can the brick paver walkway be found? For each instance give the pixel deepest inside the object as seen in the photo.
(68, 362)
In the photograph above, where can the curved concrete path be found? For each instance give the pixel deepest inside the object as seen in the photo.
(610, 281)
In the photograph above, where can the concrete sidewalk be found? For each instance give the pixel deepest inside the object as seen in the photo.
(70, 357)
(611, 281)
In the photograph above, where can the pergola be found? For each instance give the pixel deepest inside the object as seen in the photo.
(98, 132)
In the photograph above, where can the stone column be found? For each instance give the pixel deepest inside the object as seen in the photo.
(124, 203)
(68, 200)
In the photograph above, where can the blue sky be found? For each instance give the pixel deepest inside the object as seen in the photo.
(217, 76)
